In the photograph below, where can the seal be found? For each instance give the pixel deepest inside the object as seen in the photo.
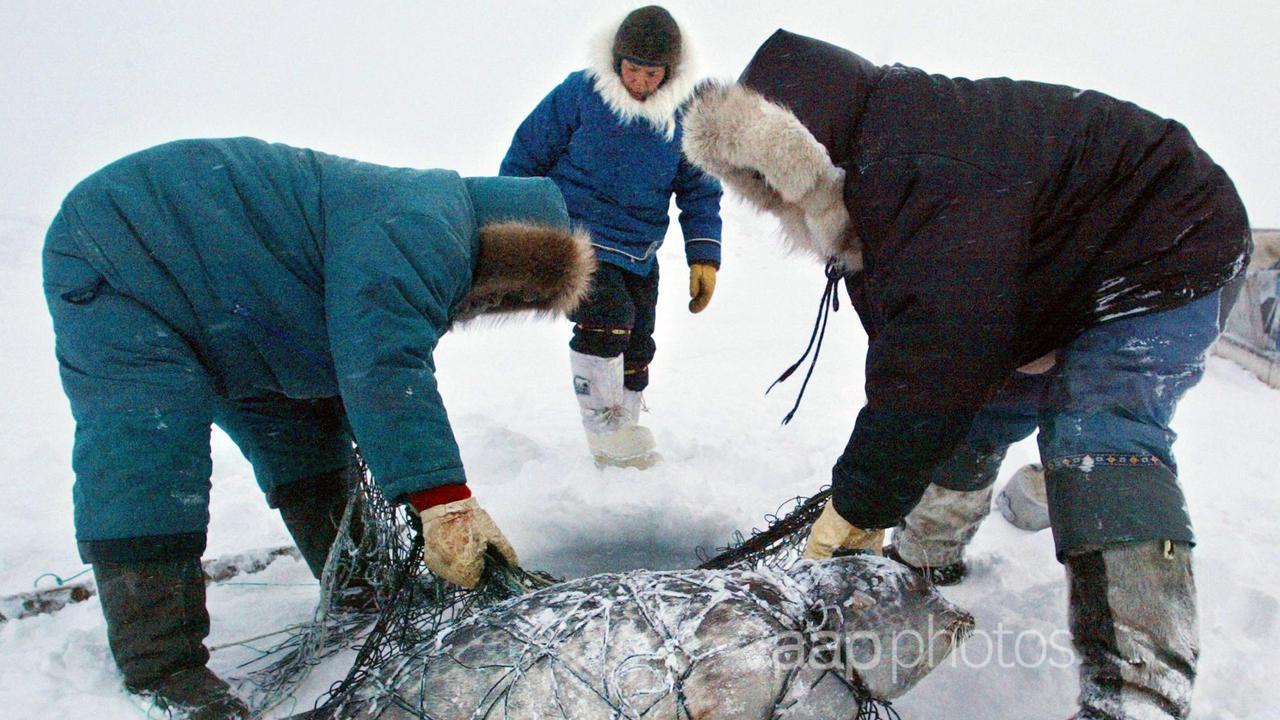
(819, 640)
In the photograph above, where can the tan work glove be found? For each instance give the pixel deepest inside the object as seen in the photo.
(455, 537)
(831, 533)
(702, 283)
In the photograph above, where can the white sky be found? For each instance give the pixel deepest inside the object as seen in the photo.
(445, 84)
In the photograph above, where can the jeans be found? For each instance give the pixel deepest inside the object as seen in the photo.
(1103, 413)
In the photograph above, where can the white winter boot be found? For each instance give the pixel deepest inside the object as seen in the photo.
(609, 413)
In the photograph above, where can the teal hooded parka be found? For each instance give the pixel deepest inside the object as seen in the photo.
(218, 281)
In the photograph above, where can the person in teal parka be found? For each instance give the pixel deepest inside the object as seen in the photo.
(294, 299)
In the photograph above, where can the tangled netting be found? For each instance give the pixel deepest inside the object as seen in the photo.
(778, 545)
(381, 602)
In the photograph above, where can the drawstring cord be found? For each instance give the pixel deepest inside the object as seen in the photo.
(830, 303)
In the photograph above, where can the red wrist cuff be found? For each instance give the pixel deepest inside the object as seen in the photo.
(442, 495)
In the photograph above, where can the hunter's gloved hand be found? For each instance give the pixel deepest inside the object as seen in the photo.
(831, 533)
(702, 283)
(455, 537)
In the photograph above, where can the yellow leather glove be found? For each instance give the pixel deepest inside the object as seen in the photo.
(455, 537)
(702, 283)
(831, 532)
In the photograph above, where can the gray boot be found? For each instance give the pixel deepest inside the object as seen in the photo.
(156, 625)
(1134, 627)
(933, 537)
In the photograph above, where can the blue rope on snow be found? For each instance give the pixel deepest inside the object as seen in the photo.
(57, 581)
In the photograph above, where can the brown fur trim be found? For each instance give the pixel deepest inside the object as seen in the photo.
(763, 152)
(524, 267)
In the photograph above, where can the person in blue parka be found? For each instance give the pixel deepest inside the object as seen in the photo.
(609, 136)
(294, 299)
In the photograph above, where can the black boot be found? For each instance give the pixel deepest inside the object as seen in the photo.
(156, 625)
(1134, 627)
(312, 510)
(949, 574)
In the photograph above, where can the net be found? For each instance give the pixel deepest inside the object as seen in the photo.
(407, 630)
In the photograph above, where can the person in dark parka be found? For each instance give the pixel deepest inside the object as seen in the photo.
(294, 299)
(987, 230)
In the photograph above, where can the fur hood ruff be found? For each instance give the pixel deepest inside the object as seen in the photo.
(763, 152)
(659, 109)
(528, 268)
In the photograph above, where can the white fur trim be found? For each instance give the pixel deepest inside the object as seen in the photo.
(659, 109)
(1266, 249)
(763, 152)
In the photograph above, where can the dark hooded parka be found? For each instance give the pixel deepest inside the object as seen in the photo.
(983, 224)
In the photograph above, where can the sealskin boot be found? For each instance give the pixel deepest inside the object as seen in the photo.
(1134, 627)
(156, 625)
(609, 413)
(932, 539)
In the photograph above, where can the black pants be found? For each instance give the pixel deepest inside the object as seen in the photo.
(617, 318)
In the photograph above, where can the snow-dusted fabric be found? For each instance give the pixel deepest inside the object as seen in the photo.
(209, 270)
(1107, 439)
(617, 161)
(1108, 456)
(618, 317)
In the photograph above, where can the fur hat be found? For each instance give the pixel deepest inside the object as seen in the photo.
(647, 36)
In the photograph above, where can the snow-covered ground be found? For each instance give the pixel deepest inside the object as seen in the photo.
(83, 84)
(727, 463)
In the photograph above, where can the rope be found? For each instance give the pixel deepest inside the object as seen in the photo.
(57, 580)
(830, 303)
